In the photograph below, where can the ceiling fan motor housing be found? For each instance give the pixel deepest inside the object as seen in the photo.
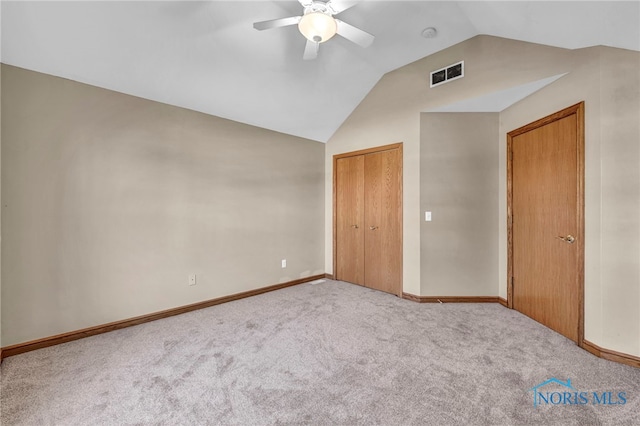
(318, 24)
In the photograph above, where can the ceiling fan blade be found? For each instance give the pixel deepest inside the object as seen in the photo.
(276, 23)
(338, 6)
(311, 50)
(356, 35)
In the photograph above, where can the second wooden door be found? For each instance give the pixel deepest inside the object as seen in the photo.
(546, 221)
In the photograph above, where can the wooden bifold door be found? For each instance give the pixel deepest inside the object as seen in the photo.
(368, 218)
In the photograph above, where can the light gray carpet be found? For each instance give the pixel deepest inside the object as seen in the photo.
(331, 353)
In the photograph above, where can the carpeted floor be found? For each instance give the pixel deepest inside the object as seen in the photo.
(331, 353)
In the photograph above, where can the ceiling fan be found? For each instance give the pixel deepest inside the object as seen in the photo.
(318, 25)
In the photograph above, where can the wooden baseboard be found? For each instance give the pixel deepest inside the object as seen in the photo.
(411, 297)
(590, 347)
(610, 355)
(503, 302)
(105, 328)
(450, 299)
(117, 325)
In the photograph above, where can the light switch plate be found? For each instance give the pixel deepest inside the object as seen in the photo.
(427, 216)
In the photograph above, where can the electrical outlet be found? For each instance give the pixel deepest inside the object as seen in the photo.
(284, 263)
(192, 279)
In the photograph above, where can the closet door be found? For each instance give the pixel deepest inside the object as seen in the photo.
(368, 218)
(349, 244)
(383, 221)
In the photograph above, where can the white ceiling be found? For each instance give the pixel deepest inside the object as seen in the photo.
(206, 56)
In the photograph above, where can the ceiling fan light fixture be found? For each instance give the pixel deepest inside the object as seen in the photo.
(317, 26)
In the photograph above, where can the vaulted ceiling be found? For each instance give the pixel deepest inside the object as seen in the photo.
(206, 56)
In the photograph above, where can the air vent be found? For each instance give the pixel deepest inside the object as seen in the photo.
(446, 74)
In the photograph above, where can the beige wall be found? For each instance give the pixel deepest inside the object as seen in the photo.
(609, 83)
(111, 201)
(391, 113)
(605, 78)
(620, 160)
(620, 207)
(1, 208)
(459, 182)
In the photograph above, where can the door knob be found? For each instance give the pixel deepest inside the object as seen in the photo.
(373, 228)
(568, 239)
(354, 226)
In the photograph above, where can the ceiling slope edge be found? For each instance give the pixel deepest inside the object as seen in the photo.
(497, 101)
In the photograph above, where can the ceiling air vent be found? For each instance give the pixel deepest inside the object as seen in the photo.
(446, 74)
